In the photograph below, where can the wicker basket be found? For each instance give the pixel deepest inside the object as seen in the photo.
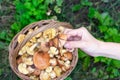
(14, 47)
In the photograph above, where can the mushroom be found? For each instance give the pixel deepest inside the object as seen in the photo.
(55, 42)
(41, 39)
(20, 38)
(53, 62)
(62, 36)
(52, 74)
(61, 43)
(62, 51)
(53, 50)
(22, 68)
(60, 62)
(41, 60)
(44, 47)
(30, 69)
(38, 35)
(30, 50)
(67, 66)
(63, 58)
(57, 70)
(37, 72)
(28, 44)
(60, 29)
(68, 55)
(44, 76)
(23, 50)
(49, 33)
(49, 69)
(33, 40)
(33, 77)
(19, 59)
(30, 31)
(27, 60)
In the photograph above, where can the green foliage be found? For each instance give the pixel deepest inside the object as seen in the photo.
(105, 24)
(107, 27)
(28, 11)
(68, 78)
(82, 4)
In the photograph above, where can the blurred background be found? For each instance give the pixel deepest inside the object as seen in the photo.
(100, 17)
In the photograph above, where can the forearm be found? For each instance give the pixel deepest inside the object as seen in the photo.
(109, 49)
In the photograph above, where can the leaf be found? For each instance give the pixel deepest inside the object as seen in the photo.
(68, 78)
(93, 69)
(15, 27)
(57, 9)
(81, 54)
(1, 71)
(115, 72)
(116, 63)
(3, 35)
(103, 28)
(27, 5)
(105, 1)
(106, 19)
(86, 3)
(76, 7)
(86, 62)
(59, 2)
(49, 1)
(93, 13)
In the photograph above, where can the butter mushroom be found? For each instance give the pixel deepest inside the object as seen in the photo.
(23, 50)
(49, 69)
(30, 69)
(21, 38)
(27, 60)
(53, 62)
(60, 29)
(49, 33)
(44, 76)
(30, 50)
(52, 74)
(22, 67)
(53, 50)
(58, 71)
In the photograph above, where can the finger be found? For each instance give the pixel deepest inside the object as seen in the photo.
(74, 38)
(67, 30)
(73, 44)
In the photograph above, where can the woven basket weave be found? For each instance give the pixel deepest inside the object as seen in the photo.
(14, 47)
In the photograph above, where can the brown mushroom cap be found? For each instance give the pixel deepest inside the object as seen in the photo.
(41, 60)
(68, 55)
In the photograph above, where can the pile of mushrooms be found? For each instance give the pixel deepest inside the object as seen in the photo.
(44, 57)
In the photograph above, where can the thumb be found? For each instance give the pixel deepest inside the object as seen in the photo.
(73, 44)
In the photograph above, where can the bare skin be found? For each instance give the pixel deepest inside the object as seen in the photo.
(81, 38)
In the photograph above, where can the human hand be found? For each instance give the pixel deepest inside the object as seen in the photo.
(81, 38)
